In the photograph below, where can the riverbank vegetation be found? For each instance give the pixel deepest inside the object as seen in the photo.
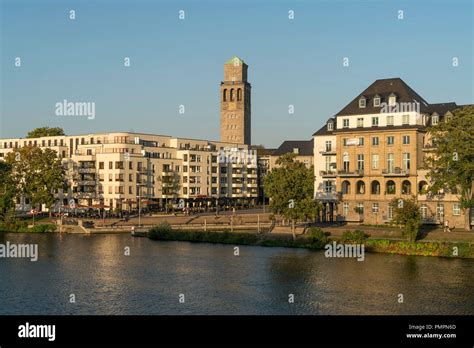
(315, 239)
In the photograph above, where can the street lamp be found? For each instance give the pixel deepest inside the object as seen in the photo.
(139, 208)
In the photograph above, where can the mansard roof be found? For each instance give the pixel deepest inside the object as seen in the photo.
(305, 147)
(383, 89)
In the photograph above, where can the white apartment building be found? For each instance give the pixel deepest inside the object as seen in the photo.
(116, 170)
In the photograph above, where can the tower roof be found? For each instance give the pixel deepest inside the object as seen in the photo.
(235, 60)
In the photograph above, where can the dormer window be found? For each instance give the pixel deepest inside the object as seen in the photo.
(392, 99)
(376, 100)
(296, 151)
(330, 126)
(362, 102)
(435, 119)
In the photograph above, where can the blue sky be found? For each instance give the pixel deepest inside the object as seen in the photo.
(180, 62)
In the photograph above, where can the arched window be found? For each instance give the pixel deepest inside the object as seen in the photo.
(239, 94)
(375, 187)
(422, 187)
(232, 94)
(224, 96)
(346, 187)
(360, 187)
(406, 187)
(391, 187)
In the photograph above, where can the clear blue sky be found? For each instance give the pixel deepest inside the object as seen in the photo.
(176, 62)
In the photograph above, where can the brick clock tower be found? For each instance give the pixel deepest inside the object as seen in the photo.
(235, 103)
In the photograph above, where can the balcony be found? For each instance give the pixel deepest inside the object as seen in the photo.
(395, 172)
(90, 170)
(86, 183)
(327, 151)
(328, 196)
(346, 173)
(328, 173)
(84, 195)
(428, 147)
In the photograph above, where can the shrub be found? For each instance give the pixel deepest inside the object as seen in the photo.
(317, 237)
(161, 231)
(355, 237)
(412, 229)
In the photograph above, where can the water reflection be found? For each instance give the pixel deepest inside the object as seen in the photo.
(215, 281)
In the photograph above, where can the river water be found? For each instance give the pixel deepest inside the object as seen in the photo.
(214, 281)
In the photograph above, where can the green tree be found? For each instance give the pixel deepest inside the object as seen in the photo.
(7, 191)
(406, 213)
(290, 189)
(36, 174)
(451, 163)
(45, 132)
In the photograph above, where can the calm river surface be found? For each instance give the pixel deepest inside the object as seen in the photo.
(214, 281)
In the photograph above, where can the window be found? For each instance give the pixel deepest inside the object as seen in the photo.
(377, 101)
(328, 163)
(440, 212)
(391, 187)
(456, 209)
(406, 187)
(345, 123)
(362, 103)
(375, 208)
(390, 162)
(389, 120)
(330, 126)
(405, 119)
(101, 165)
(130, 165)
(375, 121)
(389, 212)
(346, 187)
(328, 187)
(422, 187)
(406, 161)
(435, 120)
(406, 140)
(375, 188)
(424, 211)
(360, 122)
(130, 190)
(375, 161)
(344, 141)
(392, 100)
(345, 162)
(390, 140)
(360, 208)
(375, 141)
(111, 165)
(361, 141)
(360, 163)
(328, 145)
(360, 187)
(345, 209)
